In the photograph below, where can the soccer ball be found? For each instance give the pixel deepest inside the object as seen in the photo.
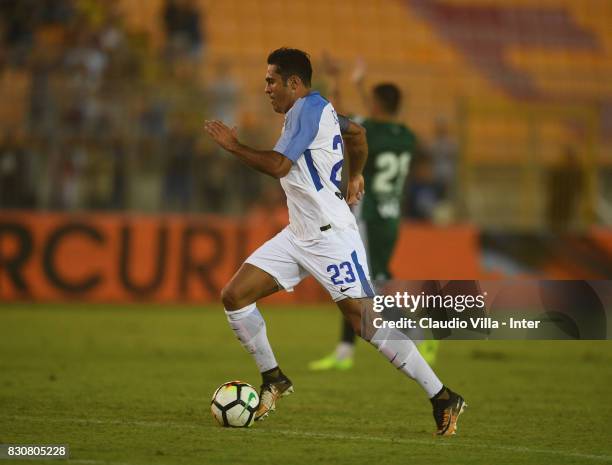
(234, 404)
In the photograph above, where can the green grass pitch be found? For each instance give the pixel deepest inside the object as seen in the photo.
(131, 385)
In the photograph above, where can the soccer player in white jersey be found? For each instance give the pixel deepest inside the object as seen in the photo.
(321, 239)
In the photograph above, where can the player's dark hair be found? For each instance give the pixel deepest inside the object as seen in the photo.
(292, 62)
(389, 96)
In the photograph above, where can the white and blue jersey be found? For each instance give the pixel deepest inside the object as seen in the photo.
(311, 140)
(321, 239)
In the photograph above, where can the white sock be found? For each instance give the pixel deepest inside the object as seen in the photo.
(344, 350)
(250, 329)
(404, 356)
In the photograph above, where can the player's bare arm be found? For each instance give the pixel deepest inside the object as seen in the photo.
(358, 79)
(331, 68)
(356, 147)
(265, 161)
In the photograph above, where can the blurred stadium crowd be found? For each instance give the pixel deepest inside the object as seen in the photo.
(109, 122)
(102, 120)
(100, 115)
(98, 119)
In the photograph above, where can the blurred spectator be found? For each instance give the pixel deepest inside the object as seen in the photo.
(86, 59)
(111, 35)
(119, 178)
(14, 188)
(55, 11)
(3, 49)
(566, 185)
(211, 173)
(21, 20)
(18, 24)
(85, 64)
(43, 105)
(223, 94)
(184, 35)
(178, 172)
(72, 169)
(422, 190)
(99, 178)
(153, 117)
(444, 155)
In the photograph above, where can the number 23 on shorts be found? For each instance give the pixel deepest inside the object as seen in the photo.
(342, 273)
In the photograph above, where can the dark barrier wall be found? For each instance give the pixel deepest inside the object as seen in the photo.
(171, 258)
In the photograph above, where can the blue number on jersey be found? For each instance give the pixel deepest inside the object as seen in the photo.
(336, 169)
(333, 177)
(349, 276)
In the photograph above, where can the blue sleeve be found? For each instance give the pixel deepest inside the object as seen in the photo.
(301, 127)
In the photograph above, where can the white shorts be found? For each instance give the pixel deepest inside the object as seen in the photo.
(337, 260)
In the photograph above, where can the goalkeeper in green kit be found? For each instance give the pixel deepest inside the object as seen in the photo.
(391, 146)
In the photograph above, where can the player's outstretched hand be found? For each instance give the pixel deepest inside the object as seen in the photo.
(355, 189)
(222, 134)
(359, 71)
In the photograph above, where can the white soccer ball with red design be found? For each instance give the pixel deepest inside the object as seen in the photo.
(234, 404)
